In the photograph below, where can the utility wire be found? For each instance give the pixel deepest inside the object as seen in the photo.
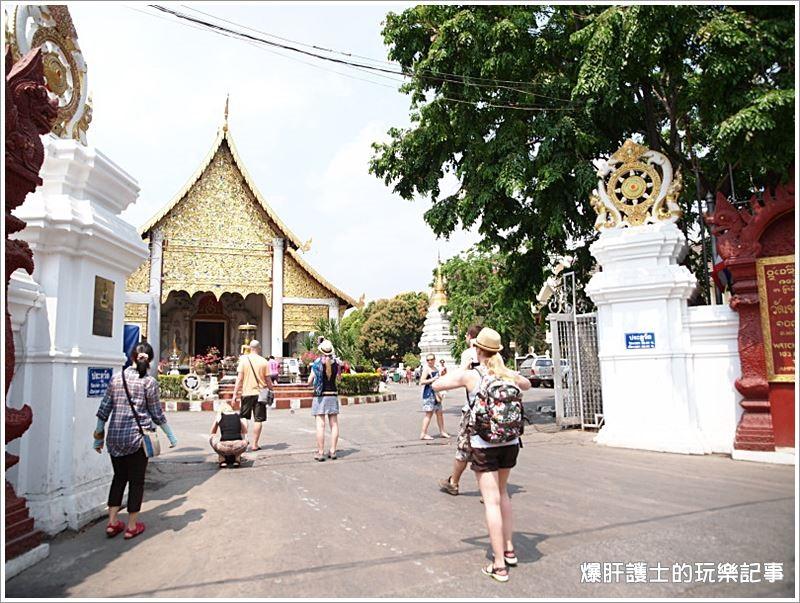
(361, 66)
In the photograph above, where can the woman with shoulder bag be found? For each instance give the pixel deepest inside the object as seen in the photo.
(500, 420)
(325, 371)
(133, 406)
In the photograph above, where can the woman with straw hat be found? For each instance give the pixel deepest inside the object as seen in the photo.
(324, 372)
(491, 462)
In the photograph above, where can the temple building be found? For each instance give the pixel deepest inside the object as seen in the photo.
(220, 257)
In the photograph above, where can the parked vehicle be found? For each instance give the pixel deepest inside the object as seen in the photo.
(525, 367)
(541, 372)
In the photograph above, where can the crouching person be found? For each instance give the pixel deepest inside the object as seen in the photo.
(229, 436)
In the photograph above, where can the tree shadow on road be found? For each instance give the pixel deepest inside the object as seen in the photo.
(75, 556)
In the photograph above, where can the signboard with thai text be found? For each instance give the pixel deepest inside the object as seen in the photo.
(97, 380)
(640, 341)
(776, 298)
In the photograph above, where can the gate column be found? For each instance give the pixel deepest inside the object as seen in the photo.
(642, 314)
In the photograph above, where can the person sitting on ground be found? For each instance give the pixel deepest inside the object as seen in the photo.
(232, 439)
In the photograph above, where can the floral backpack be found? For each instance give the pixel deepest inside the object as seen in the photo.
(497, 413)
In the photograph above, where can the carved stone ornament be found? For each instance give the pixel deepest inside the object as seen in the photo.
(635, 187)
(29, 26)
(28, 114)
(765, 228)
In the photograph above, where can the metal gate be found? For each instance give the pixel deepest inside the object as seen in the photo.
(576, 366)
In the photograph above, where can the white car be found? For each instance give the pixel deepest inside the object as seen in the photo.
(541, 372)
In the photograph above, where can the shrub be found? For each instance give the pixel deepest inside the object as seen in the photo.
(358, 384)
(169, 386)
(411, 360)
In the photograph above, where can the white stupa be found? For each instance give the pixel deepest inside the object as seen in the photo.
(436, 336)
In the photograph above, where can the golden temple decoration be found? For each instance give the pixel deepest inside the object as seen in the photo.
(137, 314)
(361, 301)
(635, 187)
(217, 238)
(439, 296)
(139, 280)
(302, 317)
(306, 247)
(51, 27)
(299, 283)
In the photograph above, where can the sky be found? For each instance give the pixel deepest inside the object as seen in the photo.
(304, 132)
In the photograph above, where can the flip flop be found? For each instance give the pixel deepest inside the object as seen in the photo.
(114, 529)
(133, 533)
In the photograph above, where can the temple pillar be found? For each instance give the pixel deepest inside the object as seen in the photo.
(84, 252)
(154, 308)
(276, 341)
(333, 310)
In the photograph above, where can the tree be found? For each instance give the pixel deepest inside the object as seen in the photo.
(393, 327)
(515, 101)
(479, 292)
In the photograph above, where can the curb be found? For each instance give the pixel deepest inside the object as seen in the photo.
(281, 404)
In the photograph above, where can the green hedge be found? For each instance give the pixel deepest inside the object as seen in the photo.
(169, 386)
(358, 384)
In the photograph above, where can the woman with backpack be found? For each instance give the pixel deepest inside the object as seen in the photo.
(495, 424)
(325, 371)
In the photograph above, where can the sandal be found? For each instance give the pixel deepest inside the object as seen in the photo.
(332, 456)
(114, 529)
(133, 533)
(510, 558)
(236, 464)
(494, 572)
(223, 464)
(319, 457)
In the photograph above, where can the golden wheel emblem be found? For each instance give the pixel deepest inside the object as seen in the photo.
(633, 189)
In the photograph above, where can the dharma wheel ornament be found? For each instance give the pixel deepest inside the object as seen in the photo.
(635, 187)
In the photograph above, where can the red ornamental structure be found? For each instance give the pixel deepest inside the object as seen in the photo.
(29, 114)
(757, 246)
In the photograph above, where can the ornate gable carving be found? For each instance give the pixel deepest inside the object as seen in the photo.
(139, 279)
(299, 283)
(217, 237)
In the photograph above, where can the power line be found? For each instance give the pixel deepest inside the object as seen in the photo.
(361, 66)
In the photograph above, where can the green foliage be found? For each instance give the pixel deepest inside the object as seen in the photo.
(708, 85)
(393, 327)
(169, 386)
(411, 360)
(478, 292)
(343, 338)
(308, 343)
(358, 384)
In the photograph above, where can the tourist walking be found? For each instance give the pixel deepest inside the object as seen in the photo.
(132, 405)
(431, 403)
(496, 421)
(324, 372)
(469, 359)
(229, 436)
(252, 381)
(274, 369)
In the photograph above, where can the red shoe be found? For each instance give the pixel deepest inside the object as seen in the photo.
(133, 533)
(114, 529)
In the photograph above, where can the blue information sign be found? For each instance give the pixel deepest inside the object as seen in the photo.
(97, 381)
(640, 341)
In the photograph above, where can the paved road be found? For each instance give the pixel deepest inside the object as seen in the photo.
(374, 524)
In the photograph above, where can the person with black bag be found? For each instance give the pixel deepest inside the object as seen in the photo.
(133, 406)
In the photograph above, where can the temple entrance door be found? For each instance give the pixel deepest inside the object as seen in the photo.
(209, 333)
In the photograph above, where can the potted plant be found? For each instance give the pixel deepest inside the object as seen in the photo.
(212, 360)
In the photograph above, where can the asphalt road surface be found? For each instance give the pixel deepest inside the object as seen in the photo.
(373, 522)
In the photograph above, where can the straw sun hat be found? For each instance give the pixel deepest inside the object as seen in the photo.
(326, 347)
(488, 340)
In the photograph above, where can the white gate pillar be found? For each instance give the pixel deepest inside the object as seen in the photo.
(641, 294)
